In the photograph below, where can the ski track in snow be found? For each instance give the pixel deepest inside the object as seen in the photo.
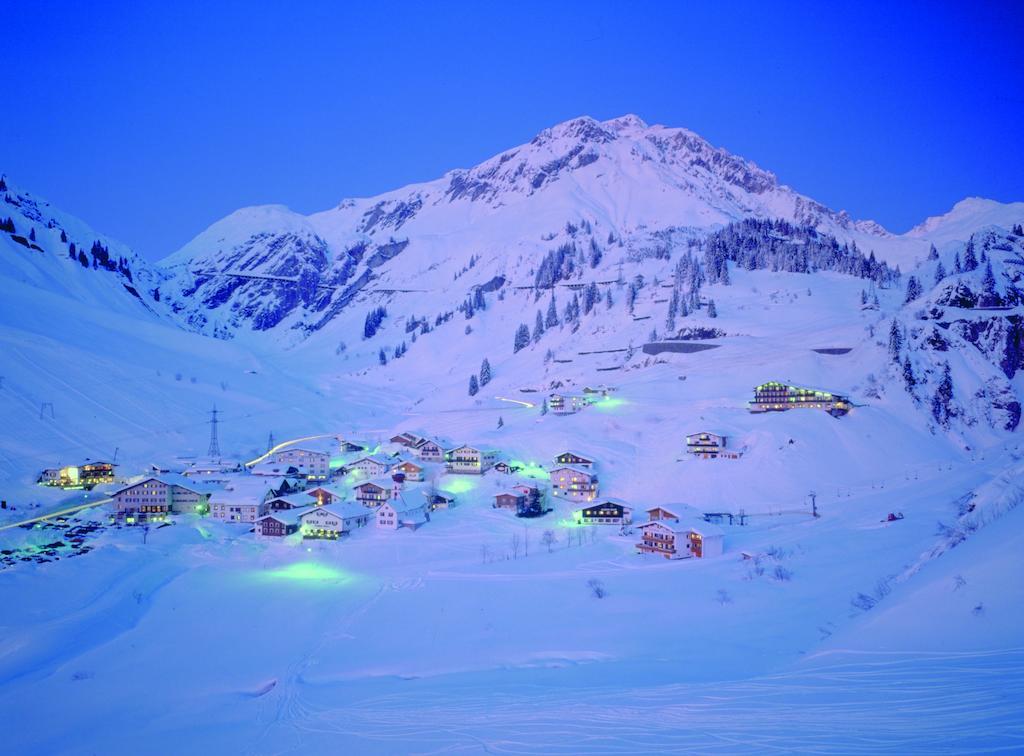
(845, 703)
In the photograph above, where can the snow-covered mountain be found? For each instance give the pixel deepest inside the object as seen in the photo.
(621, 178)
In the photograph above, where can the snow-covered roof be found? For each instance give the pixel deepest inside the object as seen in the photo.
(380, 459)
(400, 505)
(573, 468)
(575, 453)
(287, 516)
(344, 510)
(516, 494)
(171, 479)
(609, 500)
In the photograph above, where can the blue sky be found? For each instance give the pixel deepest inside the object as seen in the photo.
(152, 120)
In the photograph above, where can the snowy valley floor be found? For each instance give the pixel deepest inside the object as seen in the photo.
(409, 642)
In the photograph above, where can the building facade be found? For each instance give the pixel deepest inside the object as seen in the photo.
(778, 397)
(574, 483)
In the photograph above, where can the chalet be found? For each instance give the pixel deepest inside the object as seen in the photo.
(372, 467)
(513, 500)
(506, 468)
(372, 493)
(606, 512)
(94, 473)
(155, 497)
(566, 404)
(599, 390)
(533, 503)
(305, 464)
(310, 464)
(575, 459)
(707, 445)
(468, 460)
(411, 470)
(396, 513)
(439, 500)
(574, 483)
(324, 495)
(279, 524)
(347, 447)
(678, 532)
(86, 475)
(430, 451)
(211, 470)
(332, 520)
(283, 487)
(778, 397)
(291, 501)
(410, 440)
(242, 503)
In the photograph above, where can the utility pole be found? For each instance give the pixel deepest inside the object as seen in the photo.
(42, 410)
(814, 504)
(270, 441)
(214, 451)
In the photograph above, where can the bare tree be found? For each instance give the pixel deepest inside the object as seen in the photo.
(958, 582)
(723, 597)
(549, 539)
(515, 545)
(596, 588)
(526, 542)
(484, 553)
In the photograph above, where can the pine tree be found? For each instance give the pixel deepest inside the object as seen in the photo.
(933, 254)
(501, 421)
(522, 338)
(538, 328)
(608, 302)
(957, 268)
(595, 253)
(32, 234)
(382, 357)
(895, 341)
(474, 387)
(970, 261)
(863, 298)
(63, 236)
(712, 312)
(988, 282)
(3, 185)
(71, 251)
(940, 273)
(590, 297)
(631, 297)
(908, 374)
(913, 289)
(83, 259)
(485, 372)
(942, 409)
(552, 318)
(544, 406)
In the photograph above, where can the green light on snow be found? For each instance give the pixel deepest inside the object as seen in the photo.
(309, 573)
(573, 523)
(336, 462)
(204, 532)
(457, 485)
(609, 404)
(530, 470)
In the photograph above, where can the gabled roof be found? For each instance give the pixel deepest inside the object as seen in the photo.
(516, 494)
(297, 500)
(332, 490)
(380, 459)
(384, 483)
(301, 449)
(575, 453)
(343, 510)
(287, 516)
(608, 500)
(170, 479)
(687, 519)
(400, 505)
(573, 468)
